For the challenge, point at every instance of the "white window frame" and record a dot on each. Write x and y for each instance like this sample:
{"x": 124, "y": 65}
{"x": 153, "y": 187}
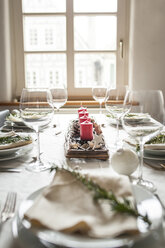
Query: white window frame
{"x": 74, "y": 93}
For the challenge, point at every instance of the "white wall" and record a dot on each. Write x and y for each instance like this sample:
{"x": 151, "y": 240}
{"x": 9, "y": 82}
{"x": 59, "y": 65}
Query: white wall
{"x": 5, "y": 55}
{"x": 147, "y": 45}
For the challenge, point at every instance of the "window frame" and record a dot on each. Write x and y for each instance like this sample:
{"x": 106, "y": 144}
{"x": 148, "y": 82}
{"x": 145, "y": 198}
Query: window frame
{"x": 17, "y": 45}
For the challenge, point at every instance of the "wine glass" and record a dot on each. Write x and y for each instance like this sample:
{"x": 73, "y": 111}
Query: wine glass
{"x": 114, "y": 105}
{"x": 151, "y": 105}
{"x": 36, "y": 111}
{"x": 99, "y": 94}
{"x": 59, "y": 96}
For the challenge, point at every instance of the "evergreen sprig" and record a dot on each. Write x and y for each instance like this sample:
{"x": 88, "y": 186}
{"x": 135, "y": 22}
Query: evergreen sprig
{"x": 159, "y": 139}
{"x": 13, "y": 139}
{"x": 124, "y": 206}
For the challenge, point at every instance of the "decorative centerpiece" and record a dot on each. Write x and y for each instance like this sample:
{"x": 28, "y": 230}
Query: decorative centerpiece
{"x": 85, "y": 139}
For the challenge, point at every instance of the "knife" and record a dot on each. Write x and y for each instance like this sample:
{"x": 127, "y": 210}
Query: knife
{"x": 10, "y": 170}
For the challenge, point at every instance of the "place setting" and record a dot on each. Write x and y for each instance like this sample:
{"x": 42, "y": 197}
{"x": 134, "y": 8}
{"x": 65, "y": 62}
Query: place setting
{"x": 97, "y": 205}
{"x": 117, "y": 213}
{"x": 92, "y": 224}
{"x": 14, "y": 145}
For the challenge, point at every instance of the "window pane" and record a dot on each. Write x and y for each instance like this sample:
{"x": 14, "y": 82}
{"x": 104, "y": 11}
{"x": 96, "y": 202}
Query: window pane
{"x": 95, "y": 5}
{"x": 95, "y": 32}
{"x": 44, "y": 33}
{"x": 43, "y": 6}
{"x": 97, "y": 68}
{"x": 45, "y": 70}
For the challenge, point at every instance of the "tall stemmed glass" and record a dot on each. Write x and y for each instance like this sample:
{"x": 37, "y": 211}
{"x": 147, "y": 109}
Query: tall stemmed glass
{"x": 99, "y": 94}
{"x": 36, "y": 111}
{"x": 145, "y": 128}
{"x": 59, "y": 96}
{"x": 114, "y": 105}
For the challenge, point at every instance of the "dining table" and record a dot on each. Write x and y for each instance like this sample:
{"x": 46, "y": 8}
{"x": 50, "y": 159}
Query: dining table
{"x": 52, "y": 139}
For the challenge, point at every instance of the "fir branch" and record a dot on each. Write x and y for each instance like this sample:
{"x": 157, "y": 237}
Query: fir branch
{"x": 159, "y": 139}
{"x": 13, "y": 139}
{"x": 124, "y": 207}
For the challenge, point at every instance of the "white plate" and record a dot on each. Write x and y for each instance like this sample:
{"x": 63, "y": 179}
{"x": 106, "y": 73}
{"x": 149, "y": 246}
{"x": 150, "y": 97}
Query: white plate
{"x": 144, "y": 200}
{"x": 12, "y": 156}
{"x": 153, "y": 156}
{"x": 19, "y": 124}
{"x": 139, "y": 117}
{"x": 147, "y": 152}
{"x": 155, "y": 152}
{"x": 12, "y": 153}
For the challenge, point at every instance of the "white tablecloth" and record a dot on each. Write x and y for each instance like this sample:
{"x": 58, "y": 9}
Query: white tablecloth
{"x": 52, "y": 148}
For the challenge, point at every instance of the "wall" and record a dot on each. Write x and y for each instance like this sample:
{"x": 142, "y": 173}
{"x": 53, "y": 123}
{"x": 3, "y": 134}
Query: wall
{"x": 147, "y": 45}
{"x": 5, "y": 55}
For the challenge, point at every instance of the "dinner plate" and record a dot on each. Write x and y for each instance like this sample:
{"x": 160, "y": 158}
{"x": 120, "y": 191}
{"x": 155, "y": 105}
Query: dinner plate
{"x": 16, "y": 124}
{"x": 50, "y": 238}
{"x": 137, "y": 117}
{"x": 153, "y": 156}
{"x": 13, "y": 153}
{"x": 9, "y": 151}
{"x": 19, "y": 123}
{"x": 155, "y": 152}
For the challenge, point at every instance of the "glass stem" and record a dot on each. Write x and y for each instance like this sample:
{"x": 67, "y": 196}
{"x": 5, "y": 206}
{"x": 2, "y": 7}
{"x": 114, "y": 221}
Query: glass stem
{"x": 140, "y": 176}
{"x": 117, "y": 132}
{"x": 58, "y": 123}
{"x": 100, "y": 108}
{"x": 38, "y": 146}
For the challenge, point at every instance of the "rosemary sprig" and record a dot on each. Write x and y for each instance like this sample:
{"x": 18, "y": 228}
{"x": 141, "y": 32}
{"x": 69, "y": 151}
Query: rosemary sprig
{"x": 13, "y": 139}
{"x": 159, "y": 139}
{"x": 124, "y": 207}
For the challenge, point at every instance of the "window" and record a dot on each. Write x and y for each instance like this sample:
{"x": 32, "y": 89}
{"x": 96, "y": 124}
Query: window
{"x": 78, "y": 43}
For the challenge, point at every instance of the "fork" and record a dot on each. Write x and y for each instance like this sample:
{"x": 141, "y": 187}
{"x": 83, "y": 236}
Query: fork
{"x": 162, "y": 165}
{"x": 9, "y": 207}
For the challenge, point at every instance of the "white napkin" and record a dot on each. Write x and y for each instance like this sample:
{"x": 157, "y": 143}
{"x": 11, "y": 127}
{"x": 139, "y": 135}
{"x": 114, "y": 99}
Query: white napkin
{"x": 67, "y": 205}
{"x": 154, "y": 146}
{"x": 8, "y": 134}
{"x": 3, "y": 115}
{"x": 133, "y": 142}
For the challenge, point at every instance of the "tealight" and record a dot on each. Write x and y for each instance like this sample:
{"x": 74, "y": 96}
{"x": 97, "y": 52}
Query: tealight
{"x": 124, "y": 161}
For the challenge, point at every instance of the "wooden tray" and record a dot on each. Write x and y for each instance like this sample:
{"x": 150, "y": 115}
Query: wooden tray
{"x": 73, "y": 136}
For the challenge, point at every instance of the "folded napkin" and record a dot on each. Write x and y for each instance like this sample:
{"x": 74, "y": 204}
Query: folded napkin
{"x": 3, "y": 115}
{"x": 133, "y": 142}
{"x": 68, "y": 206}
{"x": 154, "y": 146}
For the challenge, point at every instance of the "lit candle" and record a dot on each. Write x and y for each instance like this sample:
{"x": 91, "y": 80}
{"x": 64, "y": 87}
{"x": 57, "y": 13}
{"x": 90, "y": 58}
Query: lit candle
{"x": 81, "y": 108}
{"x": 82, "y": 113}
{"x": 84, "y": 118}
{"x": 86, "y": 130}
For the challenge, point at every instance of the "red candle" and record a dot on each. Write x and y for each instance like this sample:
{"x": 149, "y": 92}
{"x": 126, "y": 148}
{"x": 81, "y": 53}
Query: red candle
{"x": 81, "y": 108}
{"x": 82, "y": 113}
{"x": 84, "y": 118}
{"x": 86, "y": 130}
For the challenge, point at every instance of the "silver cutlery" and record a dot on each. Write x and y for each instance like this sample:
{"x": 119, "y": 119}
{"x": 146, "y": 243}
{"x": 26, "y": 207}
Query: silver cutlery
{"x": 13, "y": 170}
{"x": 154, "y": 164}
{"x": 161, "y": 203}
{"x": 162, "y": 165}
{"x": 9, "y": 207}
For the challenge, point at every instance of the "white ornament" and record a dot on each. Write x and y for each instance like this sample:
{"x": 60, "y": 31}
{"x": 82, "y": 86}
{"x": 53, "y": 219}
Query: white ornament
{"x": 124, "y": 161}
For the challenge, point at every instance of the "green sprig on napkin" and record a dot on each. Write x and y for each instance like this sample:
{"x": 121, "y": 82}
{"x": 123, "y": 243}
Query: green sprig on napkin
{"x": 159, "y": 139}
{"x": 124, "y": 207}
{"x": 13, "y": 139}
